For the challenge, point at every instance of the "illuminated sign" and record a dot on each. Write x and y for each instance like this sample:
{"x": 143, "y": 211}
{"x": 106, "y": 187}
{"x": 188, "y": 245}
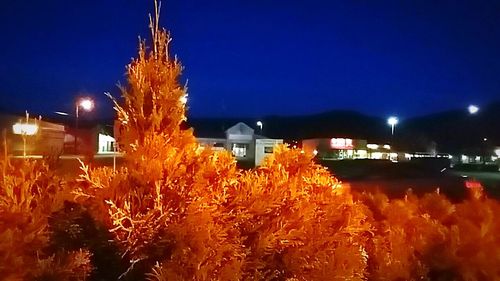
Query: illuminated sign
{"x": 339, "y": 143}
{"x": 25, "y": 129}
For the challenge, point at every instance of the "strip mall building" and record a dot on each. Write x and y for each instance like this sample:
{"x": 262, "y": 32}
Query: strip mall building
{"x": 346, "y": 148}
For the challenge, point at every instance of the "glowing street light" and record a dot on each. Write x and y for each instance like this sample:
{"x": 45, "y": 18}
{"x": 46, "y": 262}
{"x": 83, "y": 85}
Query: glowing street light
{"x": 473, "y": 109}
{"x": 260, "y": 125}
{"x": 87, "y": 104}
{"x": 392, "y": 121}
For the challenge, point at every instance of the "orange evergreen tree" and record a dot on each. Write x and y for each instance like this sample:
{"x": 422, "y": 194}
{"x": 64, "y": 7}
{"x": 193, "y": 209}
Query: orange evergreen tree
{"x": 154, "y": 203}
{"x": 190, "y": 210}
{"x": 154, "y": 100}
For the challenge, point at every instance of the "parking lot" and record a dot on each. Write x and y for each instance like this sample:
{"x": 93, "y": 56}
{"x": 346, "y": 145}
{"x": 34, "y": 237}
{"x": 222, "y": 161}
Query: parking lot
{"x": 395, "y": 179}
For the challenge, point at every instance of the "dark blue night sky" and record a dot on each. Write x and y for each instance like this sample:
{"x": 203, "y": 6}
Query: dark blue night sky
{"x": 259, "y": 57}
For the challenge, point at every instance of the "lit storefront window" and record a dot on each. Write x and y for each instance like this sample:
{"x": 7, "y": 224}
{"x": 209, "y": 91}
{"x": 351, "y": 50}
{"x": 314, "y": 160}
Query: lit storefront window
{"x": 361, "y": 154}
{"x": 239, "y": 149}
{"x": 106, "y": 143}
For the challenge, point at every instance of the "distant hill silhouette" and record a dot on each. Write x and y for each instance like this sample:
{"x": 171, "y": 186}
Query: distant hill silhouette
{"x": 324, "y": 125}
{"x": 453, "y": 131}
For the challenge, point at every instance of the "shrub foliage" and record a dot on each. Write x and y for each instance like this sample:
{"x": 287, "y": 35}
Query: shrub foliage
{"x": 180, "y": 211}
{"x": 30, "y": 193}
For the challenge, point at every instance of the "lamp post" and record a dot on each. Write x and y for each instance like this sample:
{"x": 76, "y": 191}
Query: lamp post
{"x": 87, "y": 104}
{"x": 260, "y": 125}
{"x": 392, "y": 121}
{"x": 485, "y": 149}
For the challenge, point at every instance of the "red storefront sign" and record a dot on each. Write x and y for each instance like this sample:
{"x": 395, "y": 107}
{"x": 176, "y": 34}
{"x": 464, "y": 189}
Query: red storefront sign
{"x": 341, "y": 143}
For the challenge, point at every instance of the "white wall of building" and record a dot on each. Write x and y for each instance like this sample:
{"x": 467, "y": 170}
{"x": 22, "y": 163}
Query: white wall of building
{"x": 105, "y": 143}
{"x": 264, "y": 148}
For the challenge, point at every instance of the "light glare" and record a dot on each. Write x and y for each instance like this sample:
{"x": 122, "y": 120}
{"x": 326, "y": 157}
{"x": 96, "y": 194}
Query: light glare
{"x": 473, "y": 109}
{"x": 184, "y": 99}
{"x": 392, "y": 121}
{"x": 87, "y": 104}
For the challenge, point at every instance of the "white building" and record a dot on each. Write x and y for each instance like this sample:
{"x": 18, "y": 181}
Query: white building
{"x": 249, "y": 148}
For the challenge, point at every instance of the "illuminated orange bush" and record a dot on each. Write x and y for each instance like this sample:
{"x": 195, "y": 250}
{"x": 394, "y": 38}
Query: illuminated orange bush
{"x": 429, "y": 238}
{"x": 29, "y": 194}
{"x": 199, "y": 216}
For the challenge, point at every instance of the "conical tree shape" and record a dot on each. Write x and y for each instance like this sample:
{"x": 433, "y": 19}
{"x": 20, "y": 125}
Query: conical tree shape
{"x": 154, "y": 100}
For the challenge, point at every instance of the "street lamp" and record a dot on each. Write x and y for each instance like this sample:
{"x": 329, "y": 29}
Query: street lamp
{"x": 473, "y": 109}
{"x": 260, "y": 125}
{"x": 392, "y": 121}
{"x": 87, "y": 104}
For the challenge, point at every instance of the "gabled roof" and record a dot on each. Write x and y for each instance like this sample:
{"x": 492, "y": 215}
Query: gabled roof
{"x": 240, "y": 129}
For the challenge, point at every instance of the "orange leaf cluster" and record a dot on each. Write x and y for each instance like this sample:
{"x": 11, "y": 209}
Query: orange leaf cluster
{"x": 29, "y": 194}
{"x": 153, "y": 99}
{"x": 430, "y": 238}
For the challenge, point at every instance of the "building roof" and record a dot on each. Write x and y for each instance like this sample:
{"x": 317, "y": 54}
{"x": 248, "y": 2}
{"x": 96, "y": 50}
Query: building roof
{"x": 240, "y": 129}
